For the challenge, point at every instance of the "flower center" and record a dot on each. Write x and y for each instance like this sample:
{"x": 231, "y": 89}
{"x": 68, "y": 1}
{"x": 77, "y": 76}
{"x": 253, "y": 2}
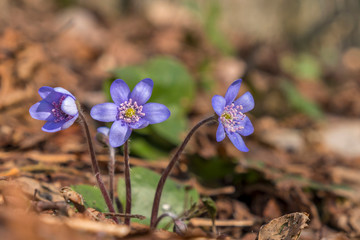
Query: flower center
{"x": 227, "y": 116}
{"x": 130, "y": 112}
{"x": 58, "y": 113}
{"x": 231, "y": 117}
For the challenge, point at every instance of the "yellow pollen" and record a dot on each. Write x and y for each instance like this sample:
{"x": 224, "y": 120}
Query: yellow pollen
{"x": 226, "y": 116}
{"x": 130, "y": 112}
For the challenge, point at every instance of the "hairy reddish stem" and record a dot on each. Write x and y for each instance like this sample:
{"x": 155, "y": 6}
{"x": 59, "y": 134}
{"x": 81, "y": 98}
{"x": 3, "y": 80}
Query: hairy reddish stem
{"x": 111, "y": 167}
{"x": 160, "y": 186}
{"x": 95, "y": 165}
{"x": 127, "y": 182}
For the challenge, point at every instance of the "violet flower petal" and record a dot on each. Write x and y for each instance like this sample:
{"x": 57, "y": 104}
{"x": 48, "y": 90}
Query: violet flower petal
{"x": 104, "y": 112}
{"x": 142, "y": 91}
{"x": 52, "y": 126}
{"x": 246, "y": 101}
{"x": 218, "y": 104}
{"x": 238, "y": 142}
{"x": 220, "y": 133}
{"x": 248, "y": 127}
{"x": 155, "y": 112}
{"x": 45, "y": 91}
{"x": 53, "y": 97}
{"x": 69, "y": 107}
{"x": 119, "y": 91}
{"x": 139, "y": 124}
{"x": 41, "y": 110}
{"x": 70, "y": 122}
{"x": 63, "y": 91}
{"x": 232, "y": 91}
{"x": 119, "y": 133}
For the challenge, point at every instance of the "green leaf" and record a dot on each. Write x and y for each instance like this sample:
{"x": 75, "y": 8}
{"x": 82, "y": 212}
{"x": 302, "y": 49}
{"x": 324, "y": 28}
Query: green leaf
{"x": 172, "y": 82}
{"x": 143, "y": 185}
{"x": 145, "y": 150}
{"x": 173, "y": 127}
{"x": 299, "y": 102}
{"x": 92, "y": 197}
{"x": 210, "y": 207}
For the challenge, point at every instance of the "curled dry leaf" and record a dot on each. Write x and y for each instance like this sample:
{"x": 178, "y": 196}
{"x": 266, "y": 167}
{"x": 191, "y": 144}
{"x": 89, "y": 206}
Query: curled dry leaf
{"x": 78, "y": 201}
{"x": 287, "y": 227}
{"x": 73, "y": 197}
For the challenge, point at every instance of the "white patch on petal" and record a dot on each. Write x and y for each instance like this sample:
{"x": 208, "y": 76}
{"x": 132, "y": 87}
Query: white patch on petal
{"x": 68, "y": 106}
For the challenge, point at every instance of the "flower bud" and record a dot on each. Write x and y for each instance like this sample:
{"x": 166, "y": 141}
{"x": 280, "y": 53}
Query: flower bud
{"x": 180, "y": 227}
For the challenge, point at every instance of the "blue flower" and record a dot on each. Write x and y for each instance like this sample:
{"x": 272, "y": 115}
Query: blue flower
{"x": 232, "y": 119}
{"x": 129, "y": 110}
{"x": 58, "y": 109}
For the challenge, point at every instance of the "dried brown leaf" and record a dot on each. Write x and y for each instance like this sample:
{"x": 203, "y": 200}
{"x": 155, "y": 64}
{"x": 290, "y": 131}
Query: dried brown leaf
{"x": 76, "y": 198}
{"x": 287, "y": 227}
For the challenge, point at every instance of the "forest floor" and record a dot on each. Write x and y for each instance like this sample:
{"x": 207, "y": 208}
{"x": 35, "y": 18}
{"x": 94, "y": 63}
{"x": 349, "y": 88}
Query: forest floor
{"x": 304, "y": 154}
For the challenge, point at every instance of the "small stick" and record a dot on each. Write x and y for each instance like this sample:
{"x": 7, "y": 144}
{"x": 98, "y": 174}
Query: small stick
{"x": 61, "y": 206}
{"x": 141, "y": 217}
{"x": 203, "y": 222}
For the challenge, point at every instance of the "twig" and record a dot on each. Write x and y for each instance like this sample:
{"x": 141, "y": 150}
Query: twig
{"x": 205, "y": 222}
{"x": 60, "y": 206}
{"x": 141, "y": 217}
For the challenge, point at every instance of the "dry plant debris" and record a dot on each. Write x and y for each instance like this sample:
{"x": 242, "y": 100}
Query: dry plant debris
{"x": 287, "y": 227}
{"x": 296, "y": 164}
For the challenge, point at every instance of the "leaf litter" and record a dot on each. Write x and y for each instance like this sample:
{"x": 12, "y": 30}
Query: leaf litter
{"x": 297, "y": 163}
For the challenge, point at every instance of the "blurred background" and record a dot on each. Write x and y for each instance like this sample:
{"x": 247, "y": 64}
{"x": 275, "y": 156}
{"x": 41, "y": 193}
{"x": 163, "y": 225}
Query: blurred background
{"x": 299, "y": 59}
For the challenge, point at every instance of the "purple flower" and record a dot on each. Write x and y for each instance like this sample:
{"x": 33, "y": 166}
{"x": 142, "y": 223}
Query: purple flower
{"x": 58, "y": 109}
{"x": 129, "y": 110}
{"x": 232, "y": 118}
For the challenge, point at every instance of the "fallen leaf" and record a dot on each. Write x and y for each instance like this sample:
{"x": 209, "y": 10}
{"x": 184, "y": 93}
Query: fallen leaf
{"x": 287, "y": 227}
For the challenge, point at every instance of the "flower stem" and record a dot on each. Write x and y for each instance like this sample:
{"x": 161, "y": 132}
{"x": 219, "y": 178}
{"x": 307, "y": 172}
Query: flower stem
{"x": 95, "y": 165}
{"x": 164, "y": 215}
{"x": 111, "y": 167}
{"x": 127, "y": 182}
{"x": 160, "y": 186}
{"x": 168, "y": 214}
